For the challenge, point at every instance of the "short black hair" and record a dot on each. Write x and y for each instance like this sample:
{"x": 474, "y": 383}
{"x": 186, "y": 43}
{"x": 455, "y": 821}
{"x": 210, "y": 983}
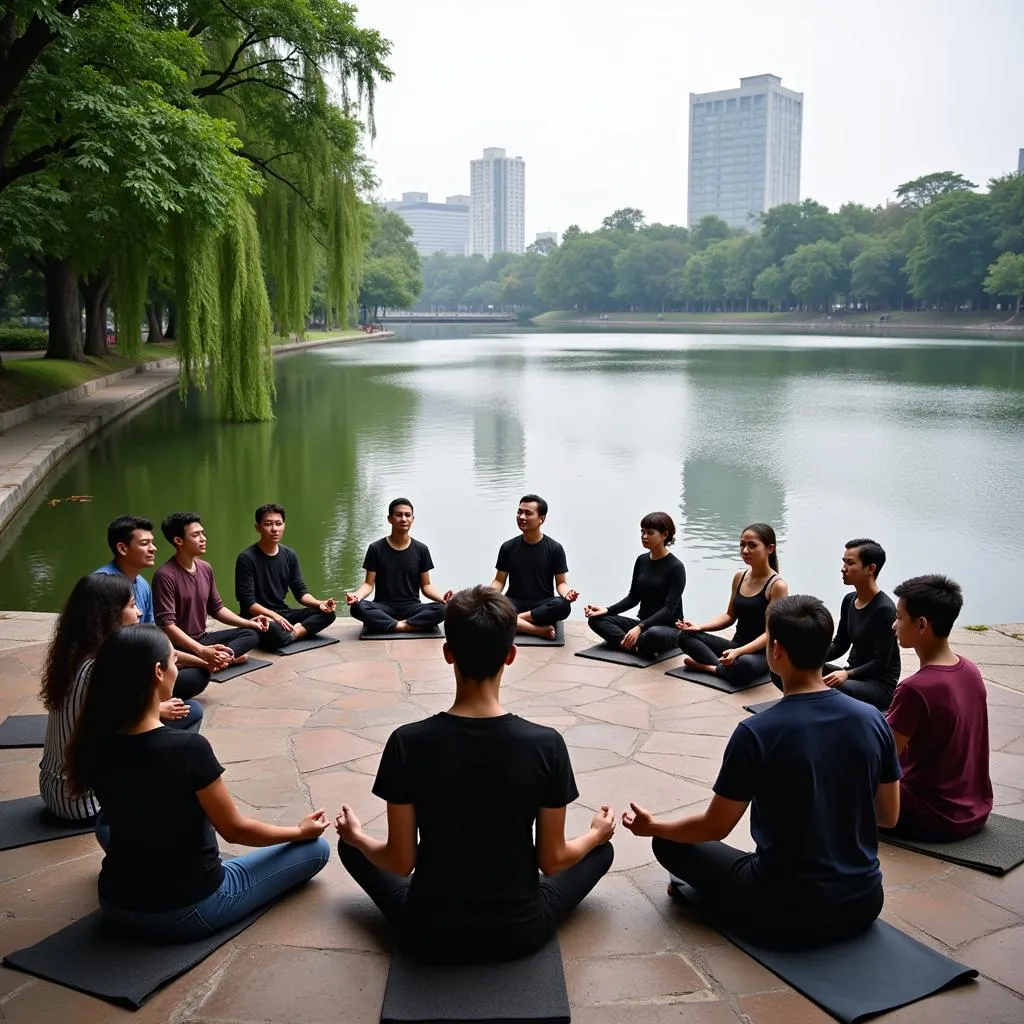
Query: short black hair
{"x": 803, "y": 627}
{"x": 935, "y": 598}
{"x": 174, "y": 525}
{"x": 121, "y": 529}
{"x": 479, "y": 628}
{"x": 396, "y": 502}
{"x": 269, "y": 509}
{"x": 536, "y": 499}
{"x": 869, "y": 551}
{"x": 662, "y": 522}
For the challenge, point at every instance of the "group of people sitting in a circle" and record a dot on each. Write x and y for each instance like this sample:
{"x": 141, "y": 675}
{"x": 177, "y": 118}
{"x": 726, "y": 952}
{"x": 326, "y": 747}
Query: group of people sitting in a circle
{"x": 476, "y": 864}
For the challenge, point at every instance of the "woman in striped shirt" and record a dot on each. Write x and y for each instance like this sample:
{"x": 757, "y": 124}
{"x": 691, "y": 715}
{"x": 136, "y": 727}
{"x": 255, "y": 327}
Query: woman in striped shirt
{"x": 97, "y": 606}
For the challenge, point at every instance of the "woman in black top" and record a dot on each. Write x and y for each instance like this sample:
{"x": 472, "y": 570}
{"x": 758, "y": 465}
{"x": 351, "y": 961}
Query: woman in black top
{"x": 164, "y": 802}
{"x": 742, "y": 659}
{"x": 657, "y": 586}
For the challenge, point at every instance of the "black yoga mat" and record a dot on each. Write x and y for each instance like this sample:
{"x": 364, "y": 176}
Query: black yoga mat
{"x": 92, "y": 956}
{"x": 525, "y": 640}
{"x": 756, "y": 709}
{"x": 996, "y": 849}
{"x": 233, "y": 671}
{"x": 434, "y": 633}
{"x": 617, "y": 656}
{"x": 308, "y": 643}
{"x": 706, "y": 679}
{"x": 23, "y": 731}
{"x": 529, "y": 989}
{"x": 26, "y": 821}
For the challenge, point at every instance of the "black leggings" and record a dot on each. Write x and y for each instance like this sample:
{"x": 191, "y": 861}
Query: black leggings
{"x": 612, "y": 628}
{"x": 193, "y": 680}
{"x": 561, "y": 894}
{"x": 382, "y": 616}
{"x": 871, "y": 691}
{"x": 312, "y": 621}
{"x": 729, "y": 888}
{"x": 706, "y": 648}
{"x": 545, "y": 612}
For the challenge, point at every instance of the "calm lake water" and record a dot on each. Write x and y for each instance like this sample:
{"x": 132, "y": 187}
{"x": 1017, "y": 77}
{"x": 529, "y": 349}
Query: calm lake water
{"x": 917, "y": 444}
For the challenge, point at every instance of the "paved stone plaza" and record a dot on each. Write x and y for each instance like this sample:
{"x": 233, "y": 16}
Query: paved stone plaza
{"x": 308, "y": 731}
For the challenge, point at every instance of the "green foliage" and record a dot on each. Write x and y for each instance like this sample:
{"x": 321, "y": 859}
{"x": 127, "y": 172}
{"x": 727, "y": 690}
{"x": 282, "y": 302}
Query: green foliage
{"x": 926, "y": 189}
{"x": 22, "y": 339}
{"x": 629, "y": 218}
{"x": 813, "y": 271}
{"x": 785, "y": 228}
{"x": 391, "y": 274}
{"x": 1006, "y": 277}
{"x": 710, "y": 229}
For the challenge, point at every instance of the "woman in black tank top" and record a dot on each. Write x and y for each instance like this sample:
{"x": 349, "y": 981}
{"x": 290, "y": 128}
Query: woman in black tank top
{"x": 742, "y": 660}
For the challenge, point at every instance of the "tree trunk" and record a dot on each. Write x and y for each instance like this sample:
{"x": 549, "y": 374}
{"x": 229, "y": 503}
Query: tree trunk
{"x": 65, "y": 340}
{"x": 154, "y": 314}
{"x": 171, "y": 334}
{"x": 95, "y": 289}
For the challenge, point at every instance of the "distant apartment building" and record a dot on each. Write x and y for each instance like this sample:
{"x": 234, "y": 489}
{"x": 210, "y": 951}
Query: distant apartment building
{"x": 744, "y": 151}
{"x": 497, "y": 205}
{"x": 547, "y": 236}
{"x": 436, "y": 227}
{"x": 1020, "y": 159}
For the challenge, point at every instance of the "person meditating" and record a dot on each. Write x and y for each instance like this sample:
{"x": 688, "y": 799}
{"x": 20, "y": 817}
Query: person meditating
{"x": 820, "y": 772}
{"x": 97, "y": 605}
{"x": 264, "y": 573}
{"x": 865, "y": 630}
{"x": 657, "y": 586}
{"x": 164, "y": 802}
{"x": 397, "y": 569}
{"x": 464, "y": 790}
{"x": 534, "y": 566}
{"x": 130, "y": 539}
{"x": 184, "y": 595}
{"x": 742, "y": 659}
{"x": 939, "y": 718}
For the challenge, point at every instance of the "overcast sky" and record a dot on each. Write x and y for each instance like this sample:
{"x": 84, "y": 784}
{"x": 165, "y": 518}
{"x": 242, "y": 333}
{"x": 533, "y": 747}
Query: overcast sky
{"x": 593, "y": 94}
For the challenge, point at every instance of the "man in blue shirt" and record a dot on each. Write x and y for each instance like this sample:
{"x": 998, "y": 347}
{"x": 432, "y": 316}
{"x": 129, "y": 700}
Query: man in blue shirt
{"x": 820, "y": 773}
{"x": 131, "y": 542}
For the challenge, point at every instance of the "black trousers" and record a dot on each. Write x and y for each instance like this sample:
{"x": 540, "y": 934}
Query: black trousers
{"x": 312, "y": 621}
{"x": 545, "y": 611}
{"x": 193, "y": 680}
{"x": 730, "y": 889}
{"x": 871, "y": 691}
{"x": 382, "y": 616}
{"x": 561, "y": 894}
{"x": 707, "y": 648}
{"x": 612, "y": 628}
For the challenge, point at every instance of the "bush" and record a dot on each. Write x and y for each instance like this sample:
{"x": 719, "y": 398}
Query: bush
{"x": 22, "y": 339}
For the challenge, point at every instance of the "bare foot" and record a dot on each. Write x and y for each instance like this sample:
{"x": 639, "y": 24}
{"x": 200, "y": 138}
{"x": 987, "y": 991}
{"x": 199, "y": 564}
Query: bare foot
{"x": 299, "y": 633}
{"x": 241, "y": 659}
{"x": 532, "y": 629}
{"x": 698, "y": 667}
{"x": 403, "y": 627}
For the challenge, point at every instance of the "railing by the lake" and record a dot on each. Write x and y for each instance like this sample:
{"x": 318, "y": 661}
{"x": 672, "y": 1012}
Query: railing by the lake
{"x": 399, "y": 317}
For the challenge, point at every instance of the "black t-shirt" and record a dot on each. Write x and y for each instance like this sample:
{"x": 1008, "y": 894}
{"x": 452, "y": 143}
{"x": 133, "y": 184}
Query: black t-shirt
{"x": 657, "y": 586}
{"x": 398, "y": 572}
{"x": 531, "y": 568}
{"x": 477, "y": 785}
{"x": 810, "y": 766}
{"x": 163, "y": 849}
{"x": 867, "y": 633}
{"x": 266, "y": 579}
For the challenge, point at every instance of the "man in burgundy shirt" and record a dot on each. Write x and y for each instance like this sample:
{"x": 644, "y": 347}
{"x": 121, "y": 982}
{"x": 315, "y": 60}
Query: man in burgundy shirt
{"x": 939, "y": 719}
{"x": 184, "y": 595}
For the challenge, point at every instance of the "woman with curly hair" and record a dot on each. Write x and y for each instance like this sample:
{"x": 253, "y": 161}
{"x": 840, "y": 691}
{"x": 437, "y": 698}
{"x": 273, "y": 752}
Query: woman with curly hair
{"x": 97, "y": 606}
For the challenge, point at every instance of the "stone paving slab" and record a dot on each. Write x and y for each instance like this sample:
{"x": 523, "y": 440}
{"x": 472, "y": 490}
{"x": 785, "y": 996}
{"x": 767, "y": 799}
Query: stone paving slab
{"x": 308, "y": 732}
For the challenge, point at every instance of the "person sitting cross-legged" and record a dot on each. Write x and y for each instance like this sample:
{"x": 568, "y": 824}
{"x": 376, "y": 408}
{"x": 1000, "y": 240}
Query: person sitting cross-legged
{"x": 464, "y": 790}
{"x": 264, "y": 572}
{"x": 820, "y": 773}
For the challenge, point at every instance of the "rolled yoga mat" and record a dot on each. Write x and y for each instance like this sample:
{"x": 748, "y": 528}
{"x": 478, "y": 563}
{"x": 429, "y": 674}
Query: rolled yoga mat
{"x": 308, "y": 643}
{"x": 529, "y": 989}
{"x": 996, "y": 849}
{"x": 26, "y": 821}
{"x": 525, "y": 640}
{"x": 434, "y": 633}
{"x": 94, "y": 957}
{"x": 233, "y": 671}
{"x": 617, "y": 656}
{"x": 756, "y": 709}
{"x": 707, "y": 679}
{"x": 23, "y": 731}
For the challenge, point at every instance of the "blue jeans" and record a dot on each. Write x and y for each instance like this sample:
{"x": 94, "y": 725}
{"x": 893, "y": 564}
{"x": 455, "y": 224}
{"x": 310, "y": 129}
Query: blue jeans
{"x": 249, "y": 882}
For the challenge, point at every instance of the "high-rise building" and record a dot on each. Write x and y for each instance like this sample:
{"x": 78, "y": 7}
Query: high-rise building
{"x": 744, "y": 151}
{"x": 497, "y": 206}
{"x": 546, "y": 236}
{"x": 436, "y": 227}
{"x": 1020, "y": 160}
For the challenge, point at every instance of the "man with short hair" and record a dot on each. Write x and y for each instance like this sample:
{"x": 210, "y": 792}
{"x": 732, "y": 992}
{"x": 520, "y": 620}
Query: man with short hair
{"x": 397, "y": 569}
{"x": 471, "y": 783}
{"x": 185, "y": 594}
{"x": 534, "y": 566}
{"x": 939, "y": 719}
{"x": 820, "y": 773}
{"x": 130, "y": 539}
{"x": 264, "y": 573}
{"x": 865, "y": 630}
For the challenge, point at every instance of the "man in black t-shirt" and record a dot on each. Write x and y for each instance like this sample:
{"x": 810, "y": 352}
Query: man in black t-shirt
{"x": 264, "y": 573}
{"x": 535, "y": 568}
{"x": 473, "y": 782}
{"x": 820, "y": 773}
{"x": 397, "y": 569}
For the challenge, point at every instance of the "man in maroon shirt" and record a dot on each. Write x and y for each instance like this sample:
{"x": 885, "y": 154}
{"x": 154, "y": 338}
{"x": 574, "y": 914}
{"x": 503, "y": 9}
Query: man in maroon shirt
{"x": 939, "y": 719}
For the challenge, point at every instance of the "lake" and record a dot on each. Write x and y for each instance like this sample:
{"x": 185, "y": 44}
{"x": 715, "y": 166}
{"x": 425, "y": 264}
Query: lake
{"x": 918, "y": 444}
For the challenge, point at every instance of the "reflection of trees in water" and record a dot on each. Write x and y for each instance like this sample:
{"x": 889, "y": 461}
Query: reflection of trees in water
{"x": 499, "y": 449}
